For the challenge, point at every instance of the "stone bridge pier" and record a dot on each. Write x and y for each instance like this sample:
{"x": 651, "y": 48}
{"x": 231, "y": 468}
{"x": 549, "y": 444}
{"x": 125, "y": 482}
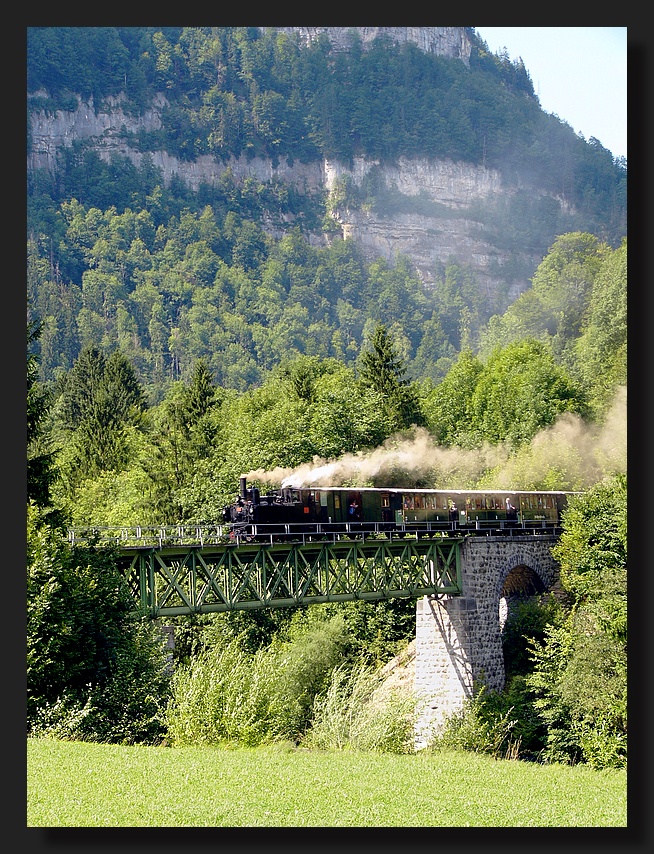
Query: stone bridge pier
{"x": 459, "y": 638}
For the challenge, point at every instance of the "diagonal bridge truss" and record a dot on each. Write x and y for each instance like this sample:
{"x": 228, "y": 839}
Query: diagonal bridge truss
{"x": 172, "y": 580}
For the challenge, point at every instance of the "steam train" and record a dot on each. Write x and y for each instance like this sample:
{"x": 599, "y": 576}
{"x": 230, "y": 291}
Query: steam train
{"x": 318, "y": 512}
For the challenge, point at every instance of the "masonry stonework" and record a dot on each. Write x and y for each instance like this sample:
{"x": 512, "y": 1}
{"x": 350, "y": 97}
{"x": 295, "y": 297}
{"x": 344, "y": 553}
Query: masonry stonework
{"x": 459, "y": 638}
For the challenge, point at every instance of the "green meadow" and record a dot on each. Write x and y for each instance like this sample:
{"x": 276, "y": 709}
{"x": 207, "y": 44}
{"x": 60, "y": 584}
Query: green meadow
{"x": 76, "y": 784}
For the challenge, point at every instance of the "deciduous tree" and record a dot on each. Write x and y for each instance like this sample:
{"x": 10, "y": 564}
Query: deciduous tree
{"x": 580, "y": 674}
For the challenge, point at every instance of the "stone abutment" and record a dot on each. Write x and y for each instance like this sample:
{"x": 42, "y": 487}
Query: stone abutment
{"x": 459, "y": 638}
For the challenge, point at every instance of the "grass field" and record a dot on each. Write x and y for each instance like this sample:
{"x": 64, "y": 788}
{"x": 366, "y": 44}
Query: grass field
{"x": 72, "y": 784}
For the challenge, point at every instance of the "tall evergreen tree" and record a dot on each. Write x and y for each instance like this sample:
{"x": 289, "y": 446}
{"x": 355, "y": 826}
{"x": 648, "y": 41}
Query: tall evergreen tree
{"x": 101, "y": 397}
{"x": 123, "y": 389}
{"x": 383, "y": 370}
{"x": 200, "y": 393}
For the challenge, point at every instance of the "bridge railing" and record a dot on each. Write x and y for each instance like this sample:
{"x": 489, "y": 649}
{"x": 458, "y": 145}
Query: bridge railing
{"x": 155, "y": 536}
{"x": 159, "y": 536}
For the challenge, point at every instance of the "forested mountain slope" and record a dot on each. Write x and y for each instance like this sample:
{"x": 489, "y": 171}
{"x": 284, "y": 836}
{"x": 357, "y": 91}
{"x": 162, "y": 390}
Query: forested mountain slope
{"x": 246, "y": 194}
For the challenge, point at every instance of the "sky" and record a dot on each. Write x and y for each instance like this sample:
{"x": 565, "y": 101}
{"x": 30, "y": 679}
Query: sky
{"x": 579, "y": 74}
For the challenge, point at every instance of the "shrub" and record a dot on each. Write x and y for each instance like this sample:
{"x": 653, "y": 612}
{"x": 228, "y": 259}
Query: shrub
{"x": 516, "y": 701}
{"x": 579, "y": 678}
{"x": 526, "y": 621}
{"x": 580, "y": 688}
{"x": 479, "y": 729}
{"x": 96, "y": 668}
{"x": 302, "y": 666}
{"x": 229, "y": 694}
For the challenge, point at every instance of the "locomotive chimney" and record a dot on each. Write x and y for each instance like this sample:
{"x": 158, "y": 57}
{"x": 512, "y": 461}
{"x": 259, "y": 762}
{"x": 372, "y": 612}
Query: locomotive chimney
{"x": 244, "y": 488}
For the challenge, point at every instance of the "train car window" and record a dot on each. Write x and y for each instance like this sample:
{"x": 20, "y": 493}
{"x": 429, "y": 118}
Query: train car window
{"x": 337, "y": 501}
{"x": 323, "y": 498}
{"x": 385, "y": 500}
{"x": 418, "y": 502}
{"x": 430, "y": 502}
{"x": 408, "y": 502}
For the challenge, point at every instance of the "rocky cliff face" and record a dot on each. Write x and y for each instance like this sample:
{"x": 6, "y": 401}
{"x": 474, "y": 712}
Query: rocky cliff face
{"x": 435, "y": 215}
{"x": 452, "y": 42}
{"x": 443, "y": 224}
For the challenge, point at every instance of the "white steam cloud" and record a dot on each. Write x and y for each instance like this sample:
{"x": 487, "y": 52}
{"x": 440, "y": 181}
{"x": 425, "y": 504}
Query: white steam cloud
{"x": 570, "y": 454}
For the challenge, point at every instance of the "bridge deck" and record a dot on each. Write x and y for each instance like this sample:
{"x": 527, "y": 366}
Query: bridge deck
{"x": 159, "y": 536}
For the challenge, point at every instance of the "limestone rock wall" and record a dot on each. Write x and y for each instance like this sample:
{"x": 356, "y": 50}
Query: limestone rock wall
{"x": 452, "y": 42}
{"x": 450, "y": 229}
{"x": 437, "y": 220}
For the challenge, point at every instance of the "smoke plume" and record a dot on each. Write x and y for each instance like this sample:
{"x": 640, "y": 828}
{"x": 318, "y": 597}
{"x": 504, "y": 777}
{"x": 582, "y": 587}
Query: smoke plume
{"x": 571, "y": 454}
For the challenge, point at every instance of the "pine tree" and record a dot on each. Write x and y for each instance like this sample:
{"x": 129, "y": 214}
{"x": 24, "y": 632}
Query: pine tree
{"x": 383, "y": 371}
{"x": 101, "y": 397}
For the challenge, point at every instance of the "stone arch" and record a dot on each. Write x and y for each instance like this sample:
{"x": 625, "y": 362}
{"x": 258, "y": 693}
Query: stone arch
{"x": 526, "y": 574}
{"x": 521, "y": 582}
{"x": 523, "y": 576}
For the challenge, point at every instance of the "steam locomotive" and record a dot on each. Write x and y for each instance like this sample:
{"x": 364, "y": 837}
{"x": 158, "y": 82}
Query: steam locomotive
{"x": 318, "y": 512}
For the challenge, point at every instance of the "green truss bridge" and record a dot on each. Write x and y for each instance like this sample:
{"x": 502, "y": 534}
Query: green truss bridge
{"x": 190, "y": 570}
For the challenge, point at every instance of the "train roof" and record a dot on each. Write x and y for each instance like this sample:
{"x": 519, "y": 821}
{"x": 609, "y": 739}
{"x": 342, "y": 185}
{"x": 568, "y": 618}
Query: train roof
{"x": 437, "y": 491}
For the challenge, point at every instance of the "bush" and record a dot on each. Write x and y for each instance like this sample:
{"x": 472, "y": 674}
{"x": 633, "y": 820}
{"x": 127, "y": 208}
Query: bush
{"x": 516, "y": 701}
{"x": 96, "y": 668}
{"x": 602, "y": 744}
{"x": 302, "y": 665}
{"x": 579, "y": 678}
{"x": 580, "y": 688}
{"x": 229, "y": 694}
{"x": 526, "y": 622}
{"x": 479, "y": 728}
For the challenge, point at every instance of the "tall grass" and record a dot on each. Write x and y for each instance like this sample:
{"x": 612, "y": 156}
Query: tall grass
{"x": 228, "y": 694}
{"x": 353, "y": 714}
{"x": 222, "y": 697}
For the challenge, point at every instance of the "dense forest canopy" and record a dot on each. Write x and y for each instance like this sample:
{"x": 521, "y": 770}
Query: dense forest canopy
{"x": 136, "y": 285}
{"x": 237, "y": 90}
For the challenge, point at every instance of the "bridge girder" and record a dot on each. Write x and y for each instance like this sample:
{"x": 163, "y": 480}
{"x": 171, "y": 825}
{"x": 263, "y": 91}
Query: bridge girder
{"x": 175, "y": 580}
